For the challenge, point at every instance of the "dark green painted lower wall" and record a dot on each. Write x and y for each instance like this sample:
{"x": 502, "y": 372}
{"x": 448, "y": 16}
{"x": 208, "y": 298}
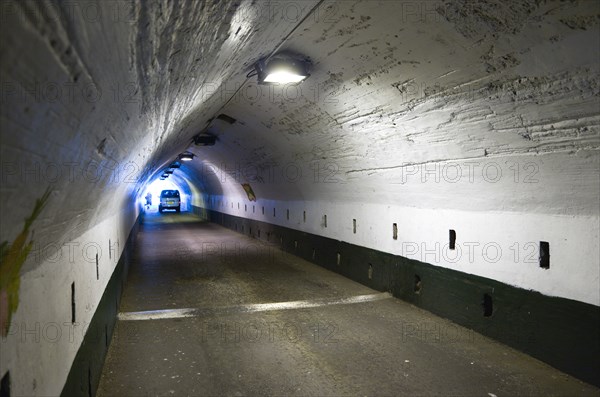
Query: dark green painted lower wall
{"x": 561, "y": 332}
{"x": 86, "y": 369}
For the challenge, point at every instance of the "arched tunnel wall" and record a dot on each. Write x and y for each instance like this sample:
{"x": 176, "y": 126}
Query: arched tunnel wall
{"x": 417, "y": 119}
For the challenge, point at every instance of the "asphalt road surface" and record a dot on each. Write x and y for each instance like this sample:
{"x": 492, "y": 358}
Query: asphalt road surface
{"x": 207, "y": 311}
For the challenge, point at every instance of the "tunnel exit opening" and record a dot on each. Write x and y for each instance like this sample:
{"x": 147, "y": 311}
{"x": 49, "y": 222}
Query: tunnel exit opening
{"x": 151, "y": 201}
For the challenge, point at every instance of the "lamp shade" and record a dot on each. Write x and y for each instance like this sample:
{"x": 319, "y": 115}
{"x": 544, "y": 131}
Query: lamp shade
{"x": 186, "y": 156}
{"x": 282, "y": 71}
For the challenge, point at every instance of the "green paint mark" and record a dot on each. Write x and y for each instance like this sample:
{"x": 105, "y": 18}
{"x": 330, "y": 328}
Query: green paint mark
{"x": 12, "y": 257}
{"x": 249, "y": 191}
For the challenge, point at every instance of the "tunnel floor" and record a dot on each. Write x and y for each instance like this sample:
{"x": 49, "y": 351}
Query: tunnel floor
{"x": 207, "y": 311}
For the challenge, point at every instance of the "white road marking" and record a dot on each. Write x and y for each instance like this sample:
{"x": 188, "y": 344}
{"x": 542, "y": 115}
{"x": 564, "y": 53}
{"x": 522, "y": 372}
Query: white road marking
{"x": 251, "y": 308}
{"x": 157, "y": 314}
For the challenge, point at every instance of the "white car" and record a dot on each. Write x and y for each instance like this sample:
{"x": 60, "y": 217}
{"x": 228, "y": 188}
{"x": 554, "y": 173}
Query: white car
{"x": 169, "y": 200}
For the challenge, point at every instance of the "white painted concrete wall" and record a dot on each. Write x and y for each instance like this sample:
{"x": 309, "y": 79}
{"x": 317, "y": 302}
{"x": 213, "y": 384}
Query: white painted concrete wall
{"x": 503, "y": 246}
{"x": 42, "y": 342}
{"x": 402, "y": 97}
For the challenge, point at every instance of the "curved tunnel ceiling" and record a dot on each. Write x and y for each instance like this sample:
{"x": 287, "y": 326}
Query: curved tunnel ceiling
{"x": 392, "y": 89}
{"x": 396, "y": 91}
{"x": 118, "y": 95}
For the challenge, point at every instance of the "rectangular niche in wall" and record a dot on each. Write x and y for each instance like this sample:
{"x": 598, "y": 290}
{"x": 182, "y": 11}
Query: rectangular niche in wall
{"x": 488, "y": 305}
{"x": 395, "y": 231}
{"x": 73, "y": 319}
{"x": 452, "y": 242}
{"x": 354, "y": 226}
{"x": 544, "y": 255}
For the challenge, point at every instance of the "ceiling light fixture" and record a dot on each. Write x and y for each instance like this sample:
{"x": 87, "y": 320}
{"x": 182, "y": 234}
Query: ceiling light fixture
{"x": 282, "y": 68}
{"x": 205, "y": 140}
{"x": 169, "y": 172}
{"x": 176, "y": 164}
{"x": 187, "y": 156}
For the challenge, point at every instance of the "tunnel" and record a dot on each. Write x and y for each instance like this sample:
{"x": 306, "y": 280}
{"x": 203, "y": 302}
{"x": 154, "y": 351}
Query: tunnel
{"x": 415, "y": 211}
